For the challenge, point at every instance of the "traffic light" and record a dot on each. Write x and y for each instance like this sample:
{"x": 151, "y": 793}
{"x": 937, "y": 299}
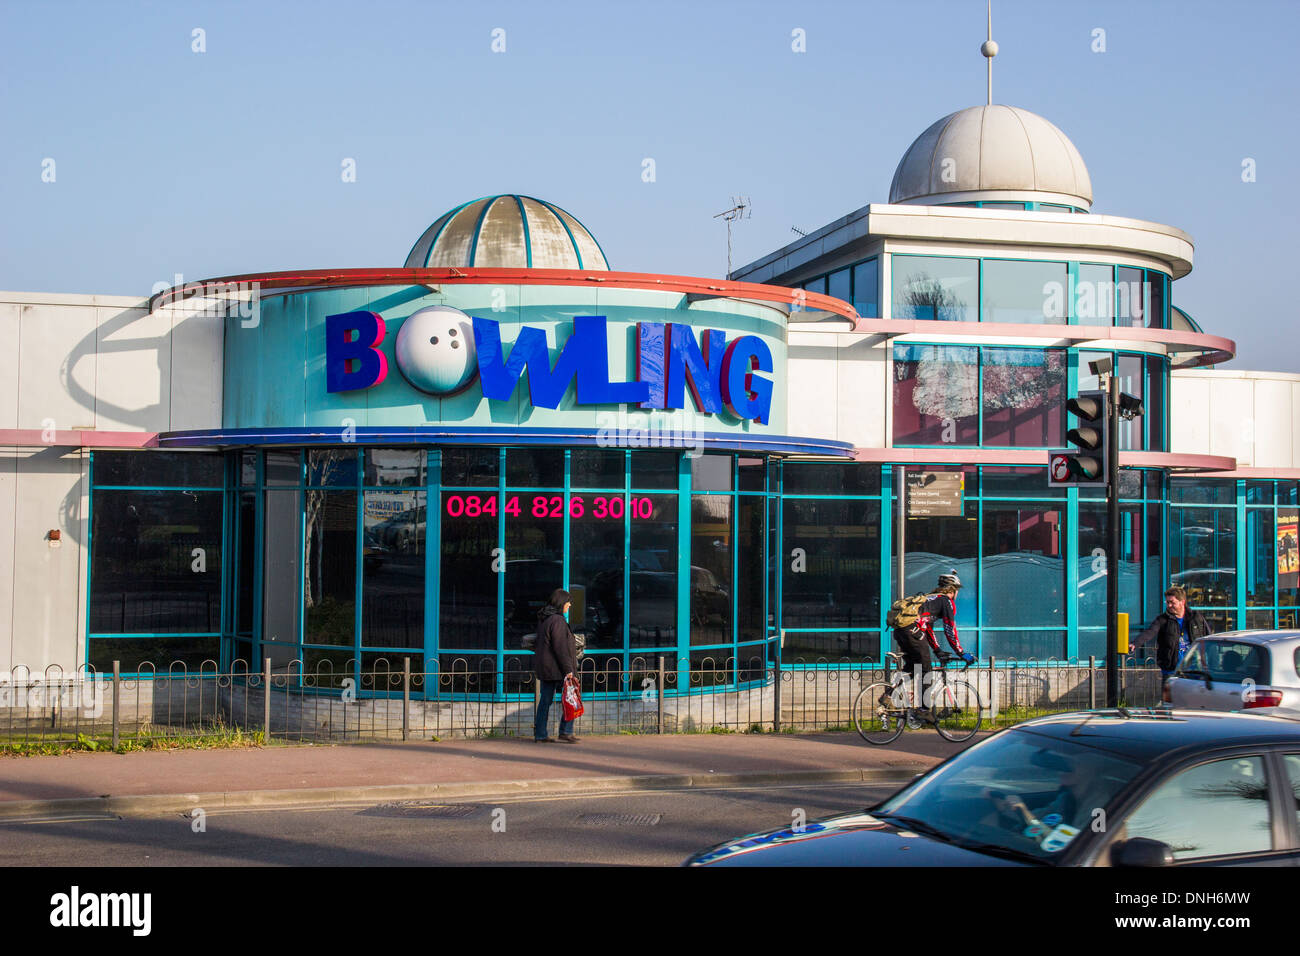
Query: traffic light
{"x": 1086, "y": 467}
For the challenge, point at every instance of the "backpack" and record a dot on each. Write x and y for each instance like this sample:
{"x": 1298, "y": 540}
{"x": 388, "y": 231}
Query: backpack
{"x": 905, "y": 612}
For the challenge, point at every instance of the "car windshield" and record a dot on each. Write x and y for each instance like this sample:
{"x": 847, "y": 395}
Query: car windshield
{"x": 1229, "y": 661}
{"x": 1020, "y": 792}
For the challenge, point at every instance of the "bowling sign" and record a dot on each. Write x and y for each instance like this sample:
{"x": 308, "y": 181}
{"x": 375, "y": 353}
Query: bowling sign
{"x": 440, "y": 351}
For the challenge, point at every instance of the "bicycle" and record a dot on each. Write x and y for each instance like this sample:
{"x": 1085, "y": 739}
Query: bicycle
{"x": 883, "y": 710}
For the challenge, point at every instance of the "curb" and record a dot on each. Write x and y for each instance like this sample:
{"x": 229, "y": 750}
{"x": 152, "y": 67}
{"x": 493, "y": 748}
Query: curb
{"x": 145, "y": 805}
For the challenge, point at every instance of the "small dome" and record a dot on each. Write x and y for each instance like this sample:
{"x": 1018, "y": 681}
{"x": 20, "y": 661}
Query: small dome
{"x": 1009, "y": 153}
{"x": 508, "y": 232}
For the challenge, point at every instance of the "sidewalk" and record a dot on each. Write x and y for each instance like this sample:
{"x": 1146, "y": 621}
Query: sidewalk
{"x": 151, "y": 782}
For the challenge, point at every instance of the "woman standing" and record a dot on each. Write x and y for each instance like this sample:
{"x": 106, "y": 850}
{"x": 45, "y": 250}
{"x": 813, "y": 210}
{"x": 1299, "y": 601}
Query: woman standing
{"x": 555, "y": 657}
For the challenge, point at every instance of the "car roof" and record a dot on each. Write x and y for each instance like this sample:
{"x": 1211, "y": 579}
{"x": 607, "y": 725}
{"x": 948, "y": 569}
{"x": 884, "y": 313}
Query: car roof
{"x": 1148, "y": 734}
{"x": 1256, "y": 637}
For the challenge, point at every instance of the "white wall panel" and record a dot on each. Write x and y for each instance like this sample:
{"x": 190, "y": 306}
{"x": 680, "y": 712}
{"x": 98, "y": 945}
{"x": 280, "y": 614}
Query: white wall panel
{"x": 811, "y": 384}
{"x": 1189, "y": 416}
{"x": 8, "y": 512}
{"x": 133, "y": 370}
{"x": 1274, "y": 425}
{"x": 197, "y": 344}
{"x": 862, "y": 382}
{"x": 47, "y": 586}
{"x": 1232, "y": 420}
{"x": 9, "y": 365}
{"x": 56, "y": 354}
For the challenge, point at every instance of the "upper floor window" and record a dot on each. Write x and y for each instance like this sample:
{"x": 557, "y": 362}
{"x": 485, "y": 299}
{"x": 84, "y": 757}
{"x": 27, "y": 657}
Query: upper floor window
{"x": 1024, "y": 292}
{"x": 938, "y": 288}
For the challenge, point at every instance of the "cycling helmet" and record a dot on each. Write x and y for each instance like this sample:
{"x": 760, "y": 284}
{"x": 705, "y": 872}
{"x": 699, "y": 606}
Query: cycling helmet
{"x": 950, "y": 579}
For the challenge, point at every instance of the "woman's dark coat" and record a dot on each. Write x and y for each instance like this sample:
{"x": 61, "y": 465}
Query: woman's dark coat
{"x": 556, "y": 652}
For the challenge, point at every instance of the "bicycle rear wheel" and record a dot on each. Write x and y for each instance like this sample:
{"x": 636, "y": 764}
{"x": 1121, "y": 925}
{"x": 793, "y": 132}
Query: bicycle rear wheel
{"x": 957, "y": 710}
{"x": 877, "y": 713}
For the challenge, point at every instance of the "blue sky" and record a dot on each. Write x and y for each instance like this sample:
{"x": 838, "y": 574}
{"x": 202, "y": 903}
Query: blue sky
{"x": 169, "y": 161}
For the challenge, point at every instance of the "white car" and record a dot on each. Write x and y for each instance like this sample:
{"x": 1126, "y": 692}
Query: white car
{"x": 1252, "y": 671}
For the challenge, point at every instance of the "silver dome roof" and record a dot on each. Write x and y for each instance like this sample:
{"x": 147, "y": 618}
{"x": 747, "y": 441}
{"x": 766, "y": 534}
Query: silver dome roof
{"x": 508, "y": 232}
{"x": 1010, "y": 153}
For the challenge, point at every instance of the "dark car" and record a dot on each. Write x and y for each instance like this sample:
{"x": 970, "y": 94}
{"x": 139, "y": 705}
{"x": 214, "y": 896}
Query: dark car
{"x": 1105, "y": 788}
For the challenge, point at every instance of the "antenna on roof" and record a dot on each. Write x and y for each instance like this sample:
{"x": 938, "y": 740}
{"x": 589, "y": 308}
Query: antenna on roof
{"x": 990, "y": 49}
{"x": 740, "y": 209}
{"x": 799, "y": 232}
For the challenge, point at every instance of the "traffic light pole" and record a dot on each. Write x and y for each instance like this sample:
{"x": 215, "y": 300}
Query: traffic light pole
{"x": 1113, "y": 546}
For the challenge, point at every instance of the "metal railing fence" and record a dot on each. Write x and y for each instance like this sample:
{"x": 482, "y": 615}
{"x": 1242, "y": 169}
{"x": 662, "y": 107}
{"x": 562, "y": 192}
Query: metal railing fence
{"x": 411, "y": 698}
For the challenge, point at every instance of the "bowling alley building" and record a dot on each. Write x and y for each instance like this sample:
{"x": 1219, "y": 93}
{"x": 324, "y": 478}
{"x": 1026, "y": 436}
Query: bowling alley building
{"x": 346, "y": 466}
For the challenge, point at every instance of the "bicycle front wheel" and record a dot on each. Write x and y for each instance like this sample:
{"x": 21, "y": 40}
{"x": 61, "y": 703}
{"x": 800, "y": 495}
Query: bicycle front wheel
{"x": 878, "y": 714}
{"x": 957, "y": 711}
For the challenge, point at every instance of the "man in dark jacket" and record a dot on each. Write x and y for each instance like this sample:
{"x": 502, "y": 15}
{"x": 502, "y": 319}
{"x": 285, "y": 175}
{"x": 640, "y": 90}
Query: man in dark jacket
{"x": 555, "y": 657}
{"x": 1174, "y": 631}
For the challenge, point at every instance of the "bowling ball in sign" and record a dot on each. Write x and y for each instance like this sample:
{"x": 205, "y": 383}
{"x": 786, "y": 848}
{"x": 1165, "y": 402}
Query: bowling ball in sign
{"x": 435, "y": 350}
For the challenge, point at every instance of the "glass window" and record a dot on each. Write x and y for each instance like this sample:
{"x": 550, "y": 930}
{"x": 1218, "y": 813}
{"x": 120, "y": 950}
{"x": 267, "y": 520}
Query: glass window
{"x": 156, "y": 562}
{"x": 248, "y": 469}
{"x": 155, "y": 655}
{"x": 1154, "y": 402}
{"x": 938, "y": 544}
{"x": 470, "y": 466}
{"x": 159, "y": 468}
{"x": 1003, "y": 205}
{"x": 404, "y": 467}
{"x": 282, "y": 577}
{"x": 597, "y": 563}
{"x": 1156, "y": 315}
{"x": 652, "y": 551}
{"x": 392, "y": 597}
{"x": 1024, "y": 397}
{"x": 711, "y": 569}
{"x": 1230, "y": 662}
{"x": 1293, "y": 776}
{"x": 336, "y": 468}
{"x": 711, "y": 473}
{"x": 1093, "y": 544}
{"x": 597, "y": 467}
{"x": 1259, "y": 492}
{"x": 936, "y": 395}
{"x": 330, "y": 583}
{"x": 750, "y": 623}
{"x": 1023, "y": 573}
{"x": 1003, "y": 482}
{"x": 1203, "y": 491}
{"x": 938, "y": 288}
{"x": 467, "y": 611}
{"x": 1261, "y": 557}
{"x": 654, "y": 469}
{"x": 751, "y": 474}
{"x": 1215, "y": 809}
{"x": 816, "y": 285}
{"x": 535, "y": 467}
{"x": 866, "y": 288}
{"x": 831, "y": 478}
{"x": 1131, "y": 297}
{"x": 1032, "y": 293}
{"x": 1094, "y": 296}
{"x": 535, "y": 557}
{"x": 832, "y": 563}
{"x": 246, "y": 545}
{"x": 838, "y": 284}
{"x": 1203, "y": 554}
{"x": 283, "y": 468}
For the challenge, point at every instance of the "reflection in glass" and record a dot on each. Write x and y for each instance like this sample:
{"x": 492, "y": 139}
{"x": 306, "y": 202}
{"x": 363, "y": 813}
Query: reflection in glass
{"x": 392, "y": 594}
{"x": 332, "y": 467}
{"x": 396, "y": 466}
{"x": 1202, "y": 554}
{"x": 654, "y": 469}
{"x": 159, "y": 468}
{"x": 1261, "y": 557}
{"x": 1024, "y": 397}
{"x": 1094, "y": 296}
{"x": 535, "y": 566}
{"x": 467, "y": 612}
{"x": 1093, "y": 544}
{"x": 833, "y": 579}
{"x": 749, "y": 568}
{"x": 535, "y": 467}
{"x": 652, "y": 603}
{"x": 596, "y": 565}
{"x": 711, "y": 473}
{"x": 1027, "y": 293}
{"x": 282, "y": 577}
{"x": 246, "y": 560}
{"x": 935, "y": 288}
{"x": 1023, "y": 573}
{"x": 710, "y": 569}
{"x": 866, "y": 288}
{"x": 330, "y": 582}
{"x": 936, "y": 395}
{"x": 831, "y": 478}
{"x": 597, "y": 467}
{"x": 1130, "y": 296}
{"x": 470, "y": 466}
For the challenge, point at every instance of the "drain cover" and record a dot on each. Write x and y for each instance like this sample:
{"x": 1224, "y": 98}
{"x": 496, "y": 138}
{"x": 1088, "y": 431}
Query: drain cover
{"x": 416, "y": 808}
{"x": 620, "y": 819}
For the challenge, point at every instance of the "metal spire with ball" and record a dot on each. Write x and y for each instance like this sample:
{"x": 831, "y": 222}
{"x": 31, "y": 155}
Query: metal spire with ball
{"x": 990, "y": 49}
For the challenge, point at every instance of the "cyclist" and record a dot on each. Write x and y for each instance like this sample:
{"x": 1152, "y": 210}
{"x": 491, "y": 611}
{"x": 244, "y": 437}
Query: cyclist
{"x": 941, "y": 605}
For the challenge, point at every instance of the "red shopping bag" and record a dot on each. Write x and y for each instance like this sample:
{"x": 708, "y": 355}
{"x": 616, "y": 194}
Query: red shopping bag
{"x": 572, "y": 699}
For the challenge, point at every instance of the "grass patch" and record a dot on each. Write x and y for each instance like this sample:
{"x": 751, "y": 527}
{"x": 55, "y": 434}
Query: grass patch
{"x": 218, "y": 736}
